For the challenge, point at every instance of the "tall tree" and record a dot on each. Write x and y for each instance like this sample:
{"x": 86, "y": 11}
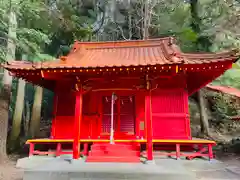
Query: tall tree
{"x": 146, "y": 20}
{"x": 5, "y": 93}
{"x": 202, "y": 43}
{"x": 18, "y": 111}
{"x": 36, "y": 112}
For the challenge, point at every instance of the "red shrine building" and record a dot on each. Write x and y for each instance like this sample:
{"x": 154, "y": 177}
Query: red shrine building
{"x": 119, "y": 100}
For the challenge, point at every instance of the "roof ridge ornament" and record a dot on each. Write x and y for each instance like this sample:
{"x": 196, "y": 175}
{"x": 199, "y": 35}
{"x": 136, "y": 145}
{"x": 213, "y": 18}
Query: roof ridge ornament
{"x": 235, "y": 52}
{"x": 171, "y": 41}
{"x": 63, "y": 58}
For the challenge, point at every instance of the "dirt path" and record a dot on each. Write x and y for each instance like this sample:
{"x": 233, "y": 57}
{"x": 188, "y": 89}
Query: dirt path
{"x": 9, "y": 172}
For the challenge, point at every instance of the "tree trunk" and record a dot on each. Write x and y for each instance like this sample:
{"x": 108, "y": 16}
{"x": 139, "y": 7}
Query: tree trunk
{"x": 146, "y": 19}
{"x": 27, "y": 119}
{"x": 196, "y": 21}
{"x": 200, "y": 44}
{"x": 203, "y": 114}
{"x": 112, "y": 16}
{"x": 18, "y": 111}
{"x": 36, "y": 112}
{"x": 5, "y": 93}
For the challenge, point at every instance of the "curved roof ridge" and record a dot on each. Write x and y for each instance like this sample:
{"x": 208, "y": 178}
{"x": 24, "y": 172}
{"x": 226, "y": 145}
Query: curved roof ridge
{"x": 125, "y": 41}
{"x": 232, "y": 53}
{"x": 122, "y": 43}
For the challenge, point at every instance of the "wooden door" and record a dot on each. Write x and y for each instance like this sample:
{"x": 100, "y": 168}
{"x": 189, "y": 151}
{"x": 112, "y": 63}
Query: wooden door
{"x": 106, "y": 114}
{"x": 127, "y": 114}
{"x": 124, "y": 115}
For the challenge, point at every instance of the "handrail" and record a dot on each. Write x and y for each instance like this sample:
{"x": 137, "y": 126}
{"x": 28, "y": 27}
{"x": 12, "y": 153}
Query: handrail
{"x": 172, "y": 141}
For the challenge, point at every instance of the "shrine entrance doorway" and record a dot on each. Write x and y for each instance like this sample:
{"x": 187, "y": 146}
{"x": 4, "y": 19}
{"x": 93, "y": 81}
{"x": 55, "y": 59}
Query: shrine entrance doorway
{"x": 123, "y": 113}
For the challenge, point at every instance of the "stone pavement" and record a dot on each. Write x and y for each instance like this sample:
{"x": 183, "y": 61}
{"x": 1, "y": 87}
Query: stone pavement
{"x": 59, "y": 169}
{"x": 208, "y": 170}
{"x": 162, "y": 169}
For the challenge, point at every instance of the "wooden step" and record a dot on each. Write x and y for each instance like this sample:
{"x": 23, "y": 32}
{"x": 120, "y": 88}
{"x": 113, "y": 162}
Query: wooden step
{"x": 115, "y": 146}
{"x": 114, "y": 153}
{"x": 113, "y": 159}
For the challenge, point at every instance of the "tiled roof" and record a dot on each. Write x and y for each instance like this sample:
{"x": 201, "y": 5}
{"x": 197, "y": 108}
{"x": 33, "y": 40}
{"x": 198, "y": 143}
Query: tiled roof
{"x": 225, "y": 89}
{"x": 126, "y": 53}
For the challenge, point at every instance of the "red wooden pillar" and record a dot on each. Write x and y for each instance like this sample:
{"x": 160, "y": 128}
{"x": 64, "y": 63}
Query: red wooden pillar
{"x": 118, "y": 124}
{"x": 148, "y": 122}
{"x": 210, "y": 152}
{"x": 178, "y": 151}
{"x": 85, "y": 149}
{"x": 31, "y": 149}
{"x": 100, "y": 110}
{"x": 59, "y": 149}
{"x": 77, "y": 124}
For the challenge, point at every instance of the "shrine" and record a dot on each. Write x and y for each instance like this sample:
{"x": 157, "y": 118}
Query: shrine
{"x": 117, "y": 101}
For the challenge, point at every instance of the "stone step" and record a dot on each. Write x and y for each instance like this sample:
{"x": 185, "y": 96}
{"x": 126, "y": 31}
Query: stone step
{"x": 114, "y": 147}
{"x": 116, "y": 159}
{"x": 113, "y": 153}
{"x": 103, "y": 176}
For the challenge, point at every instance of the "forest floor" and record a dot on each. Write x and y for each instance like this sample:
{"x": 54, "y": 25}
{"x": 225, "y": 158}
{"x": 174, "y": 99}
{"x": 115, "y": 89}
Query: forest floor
{"x": 8, "y": 171}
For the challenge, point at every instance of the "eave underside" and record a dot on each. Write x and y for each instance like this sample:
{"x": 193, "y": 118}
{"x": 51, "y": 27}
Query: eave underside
{"x": 192, "y": 77}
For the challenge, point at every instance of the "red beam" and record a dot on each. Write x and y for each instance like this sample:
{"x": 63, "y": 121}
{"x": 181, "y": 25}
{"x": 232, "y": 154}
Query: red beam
{"x": 55, "y": 76}
{"x": 43, "y": 152}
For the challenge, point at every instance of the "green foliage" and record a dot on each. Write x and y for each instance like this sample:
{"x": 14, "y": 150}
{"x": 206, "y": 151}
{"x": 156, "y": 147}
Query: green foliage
{"x": 216, "y": 28}
{"x": 44, "y": 28}
{"x": 71, "y": 21}
{"x": 230, "y": 78}
{"x": 29, "y": 39}
{"x": 221, "y": 22}
{"x": 42, "y": 57}
{"x": 223, "y": 107}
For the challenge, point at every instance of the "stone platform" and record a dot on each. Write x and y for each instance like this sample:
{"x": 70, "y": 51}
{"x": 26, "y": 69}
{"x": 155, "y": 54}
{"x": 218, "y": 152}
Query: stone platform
{"x": 63, "y": 168}
{"x": 60, "y": 169}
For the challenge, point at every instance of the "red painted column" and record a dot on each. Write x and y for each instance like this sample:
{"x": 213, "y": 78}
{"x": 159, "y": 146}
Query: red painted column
{"x": 59, "y": 149}
{"x": 210, "y": 152}
{"x": 85, "y": 149}
{"x": 77, "y": 124}
{"x": 148, "y": 122}
{"x": 31, "y": 149}
{"x": 100, "y": 110}
{"x": 177, "y": 151}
